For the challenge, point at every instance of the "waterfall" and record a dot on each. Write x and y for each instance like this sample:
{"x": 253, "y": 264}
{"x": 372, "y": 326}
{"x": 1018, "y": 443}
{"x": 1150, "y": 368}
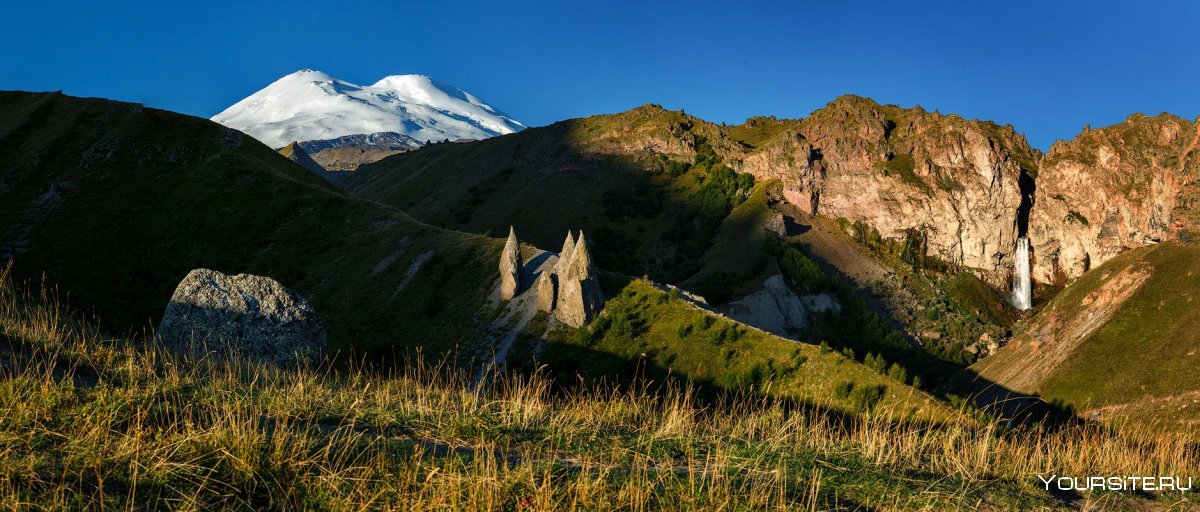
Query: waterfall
{"x": 1022, "y": 291}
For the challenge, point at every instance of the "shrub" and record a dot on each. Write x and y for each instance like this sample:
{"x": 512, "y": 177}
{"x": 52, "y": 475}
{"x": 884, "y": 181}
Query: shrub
{"x": 898, "y": 373}
{"x": 683, "y": 331}
{"x": 875, "y": 362}
{"x": 843, "y": 389}
{"x": 865, "y": 398}
{"x": 757, "y": 375}
{"x": 715, "y": 338}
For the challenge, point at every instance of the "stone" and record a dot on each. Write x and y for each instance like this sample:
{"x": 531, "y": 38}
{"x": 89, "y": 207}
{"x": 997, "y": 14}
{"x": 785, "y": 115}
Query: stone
{"x": 564, "y": 256}
{"x": 777, "y": 309}
{"x": 777, "y": 224}
{"x": 243, "y": 315}
{"x": 510, "y": 267}
{"x": 547, "y": 291}
{"x": 579, "y": 294}
{"x": 580, "y": 265}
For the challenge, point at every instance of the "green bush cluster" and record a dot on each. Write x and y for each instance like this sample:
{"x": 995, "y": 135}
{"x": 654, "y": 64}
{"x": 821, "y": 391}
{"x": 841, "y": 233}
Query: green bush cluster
{"x": 801, "y": 272}
{"x": 861, "y": 398}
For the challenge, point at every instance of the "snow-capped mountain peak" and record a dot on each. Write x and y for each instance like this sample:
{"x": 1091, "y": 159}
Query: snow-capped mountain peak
{"x": 311, "y": 105}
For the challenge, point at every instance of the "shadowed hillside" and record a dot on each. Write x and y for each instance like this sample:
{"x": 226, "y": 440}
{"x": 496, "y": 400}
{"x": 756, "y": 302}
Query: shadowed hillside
{"x": 116, "y": 202}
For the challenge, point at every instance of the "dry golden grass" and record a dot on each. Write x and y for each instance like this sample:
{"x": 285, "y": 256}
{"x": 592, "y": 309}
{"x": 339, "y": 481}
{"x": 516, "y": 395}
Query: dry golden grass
{"x": 89, "y": 422}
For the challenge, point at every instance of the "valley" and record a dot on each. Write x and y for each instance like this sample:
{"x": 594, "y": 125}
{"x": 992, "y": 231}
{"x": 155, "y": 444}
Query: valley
{"x": 862, "y": 264}
{"x": 592, "y": 256}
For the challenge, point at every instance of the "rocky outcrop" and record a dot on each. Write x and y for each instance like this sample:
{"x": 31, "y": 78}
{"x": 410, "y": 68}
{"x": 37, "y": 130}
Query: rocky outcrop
{"x": 296, "y": 153}
{"x": 955, "y": 181}
{"x": 564, "y": 255}
{"x": 1112, "y": 189}
{"x": 579, "y": 295}
{"x": 510, "y": 267}
{"x": 247, "y": 315}
{"x": 569, "y": 289}
{"x": 777, "y": 309}
{"x": 547, "y": 290}
{"x": 346, "y": 154}
{"x": 580, "y": 298}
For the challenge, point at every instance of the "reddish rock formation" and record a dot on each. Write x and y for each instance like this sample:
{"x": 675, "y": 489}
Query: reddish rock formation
{"x": 1112, "y": 189}
{"x": 897, "y": 169}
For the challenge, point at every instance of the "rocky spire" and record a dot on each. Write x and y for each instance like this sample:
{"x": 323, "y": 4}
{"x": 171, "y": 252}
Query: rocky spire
{"x": 580, "y": 266}
{"x": 579, "y": 296}
{"x": 547, "y": 291}
{"x": 510, "y": 267}
{"x": 564, "y": 256}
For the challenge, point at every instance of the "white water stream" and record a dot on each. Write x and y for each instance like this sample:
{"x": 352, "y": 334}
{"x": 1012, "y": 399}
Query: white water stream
{"x": 1022, "y": 291}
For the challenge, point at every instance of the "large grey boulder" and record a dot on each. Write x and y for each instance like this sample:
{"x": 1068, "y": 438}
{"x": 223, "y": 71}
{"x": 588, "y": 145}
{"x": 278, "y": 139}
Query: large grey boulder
{"x": 246, "y": 315}
{"x": 777, "y": 309}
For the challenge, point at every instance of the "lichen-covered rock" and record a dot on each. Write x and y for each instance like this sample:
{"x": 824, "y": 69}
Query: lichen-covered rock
{"x": 246, "y": 315}
{"x": 579, "y": 294}
{"x": 547, "y": 291}
{"x": 510, "y": 267}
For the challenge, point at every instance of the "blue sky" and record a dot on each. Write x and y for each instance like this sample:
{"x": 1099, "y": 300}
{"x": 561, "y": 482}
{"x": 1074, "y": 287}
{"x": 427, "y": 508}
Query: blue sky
{"x": 1046, "y": 67}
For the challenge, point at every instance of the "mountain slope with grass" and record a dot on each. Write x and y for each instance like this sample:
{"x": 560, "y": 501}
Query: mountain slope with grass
{"x": 1118, "y": 345}
{"x": 644, "y": 185}
{"x": 657, "y": 193}
{"x": 92, "y": 421}
{"x": 115, "y": 203}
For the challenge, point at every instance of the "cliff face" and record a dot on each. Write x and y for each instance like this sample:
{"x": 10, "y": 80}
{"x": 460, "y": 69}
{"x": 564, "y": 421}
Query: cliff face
{"x": 956, "y": 180}
{"x": 969, "y": 188}
{"x": 1113, "y": 189}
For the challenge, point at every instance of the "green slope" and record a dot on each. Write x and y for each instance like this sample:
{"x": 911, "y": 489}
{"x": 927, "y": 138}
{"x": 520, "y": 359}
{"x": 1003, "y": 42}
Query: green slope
{"x": 116, "y": 203}
{"x": 646, "y": 185}
{"x": 1118, "y": 343}
{"x": 646, "y": 332}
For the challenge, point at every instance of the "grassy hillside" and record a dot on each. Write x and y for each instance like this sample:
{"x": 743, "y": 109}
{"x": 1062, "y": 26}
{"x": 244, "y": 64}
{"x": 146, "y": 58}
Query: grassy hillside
{"x": 646, "y": 185}
{"x": 1118, "y": 339}
{"x": 116, "y": 203}
{"x": 646, "y": 332}
{"x": 94, "y": 422}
